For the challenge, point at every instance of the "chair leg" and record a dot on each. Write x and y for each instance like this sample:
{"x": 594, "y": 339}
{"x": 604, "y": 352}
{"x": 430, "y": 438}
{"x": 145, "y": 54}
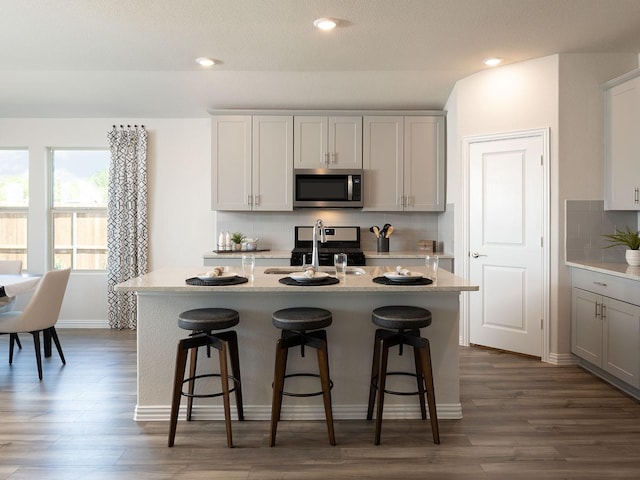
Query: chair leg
{"x": 17, "y": 339}
{"x": 181, "y": 363}
{"x": 382, "y": 380}
{"x": 323, "y": 366}
{"x": 374, "y": 375}
{"x": 278, "y": 386}
{"x": 235, "y": 371}
{"x": 420, "y": 381}
{"x": 224, "y": 379}
{"x": 56, "y": 341}
{"x": 12, "y": 338}
{"x": 425, "y": 355}
{"x": 193, "y": 366}
{"x": 36, "y": 346}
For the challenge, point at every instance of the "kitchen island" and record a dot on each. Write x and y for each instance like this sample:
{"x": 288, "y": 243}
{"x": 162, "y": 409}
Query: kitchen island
{"x": 163, "y": 294}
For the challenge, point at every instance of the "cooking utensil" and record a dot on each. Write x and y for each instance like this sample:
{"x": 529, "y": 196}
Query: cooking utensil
{"x": 375, "y": 230}
{"x": 383, "y": 232}
{"x": 389, "y": 231}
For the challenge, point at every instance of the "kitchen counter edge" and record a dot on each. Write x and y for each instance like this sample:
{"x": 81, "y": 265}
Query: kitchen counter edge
{"x": 621, "y": 270}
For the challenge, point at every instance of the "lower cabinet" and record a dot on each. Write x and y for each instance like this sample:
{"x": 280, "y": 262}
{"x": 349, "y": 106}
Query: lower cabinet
{"x": 605, "y": 331}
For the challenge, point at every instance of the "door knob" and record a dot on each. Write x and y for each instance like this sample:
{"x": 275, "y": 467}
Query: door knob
{"x": 476, "y": 255}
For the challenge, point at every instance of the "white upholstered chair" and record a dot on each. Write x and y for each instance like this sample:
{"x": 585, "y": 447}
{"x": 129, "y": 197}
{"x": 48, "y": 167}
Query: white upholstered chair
{"x": 40, "y": 314}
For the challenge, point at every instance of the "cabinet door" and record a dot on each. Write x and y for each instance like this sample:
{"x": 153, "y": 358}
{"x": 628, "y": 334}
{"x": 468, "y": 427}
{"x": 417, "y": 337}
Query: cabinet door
{"x": 231, "y": 162}
{"x": 383, "y": 153}
{"x": 272, "y": 162}
{"x": 424, "y": 164}
{"x": 345, "y": 142}
{"x": 310, "y": 142}
{"x": 586, "y": 325}
{"x": 622, "y": 175}
{"x": 621, "y": 340}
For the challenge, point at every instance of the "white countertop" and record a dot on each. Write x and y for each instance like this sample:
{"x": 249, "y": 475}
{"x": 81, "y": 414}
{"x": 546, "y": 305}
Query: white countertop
{"x": 173, "y": 280}
{"x": 616, "y": 269}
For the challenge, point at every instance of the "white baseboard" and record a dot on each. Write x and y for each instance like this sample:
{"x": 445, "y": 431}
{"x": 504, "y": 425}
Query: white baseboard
{"x": 79, "y": 323}
{"x": 562, "y": 359}
{"x": 160, "y": 413}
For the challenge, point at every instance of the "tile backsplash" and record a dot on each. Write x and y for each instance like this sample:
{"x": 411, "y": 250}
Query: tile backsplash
{"x": 586, "y": 223}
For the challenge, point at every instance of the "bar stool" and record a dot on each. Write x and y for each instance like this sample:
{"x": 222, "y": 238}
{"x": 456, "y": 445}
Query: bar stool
{"x": 202, "y": 322}
{"x": 301, "y": 326}
{"x": 400, "y": 325}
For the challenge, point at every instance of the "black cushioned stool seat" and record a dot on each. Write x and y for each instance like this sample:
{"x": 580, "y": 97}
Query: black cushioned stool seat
{"x": 401, "y": 325}
{"x": 302, "y": 326}
{"x": 203, "y": 322}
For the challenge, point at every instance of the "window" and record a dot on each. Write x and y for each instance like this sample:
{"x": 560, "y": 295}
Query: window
{"x": 79, "y": 208}
{"x": 14, "y": 203}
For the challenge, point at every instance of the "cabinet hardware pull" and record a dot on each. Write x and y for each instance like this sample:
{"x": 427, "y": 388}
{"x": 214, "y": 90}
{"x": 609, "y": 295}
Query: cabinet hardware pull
{"x": 597, "y": 314}
{"x": 256, "y": 200}
{"x": 248, "y": 199}
{"x": 602, "y": 284}
{"x": 636, "y": 193}
{"x": 603, "y": 311}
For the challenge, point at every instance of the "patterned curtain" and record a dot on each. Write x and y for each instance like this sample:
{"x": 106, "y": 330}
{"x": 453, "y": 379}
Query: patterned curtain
{"x": 127, "y": 229}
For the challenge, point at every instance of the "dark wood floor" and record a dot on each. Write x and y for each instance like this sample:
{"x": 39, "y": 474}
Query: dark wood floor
{"x": 522, "y": 420}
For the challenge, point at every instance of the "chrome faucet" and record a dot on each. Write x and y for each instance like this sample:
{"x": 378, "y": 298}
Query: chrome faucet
{"x": 315, "y": 263}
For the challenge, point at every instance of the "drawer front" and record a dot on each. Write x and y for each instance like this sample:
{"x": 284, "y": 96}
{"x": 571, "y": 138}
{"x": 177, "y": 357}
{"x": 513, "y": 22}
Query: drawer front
{"x": 623, "y": 289}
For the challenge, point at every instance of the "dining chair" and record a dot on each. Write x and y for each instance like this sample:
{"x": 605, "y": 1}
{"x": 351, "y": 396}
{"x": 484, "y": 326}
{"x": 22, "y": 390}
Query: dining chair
{"x": 10, "y": 267}
{"x": 40, "y": 314}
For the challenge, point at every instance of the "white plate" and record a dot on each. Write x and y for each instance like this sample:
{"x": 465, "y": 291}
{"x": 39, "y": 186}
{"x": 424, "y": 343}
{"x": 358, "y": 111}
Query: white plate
{"x": 221, "y": 276}
{"x": 300, "y": 276}
{"x": 396, "y": 277}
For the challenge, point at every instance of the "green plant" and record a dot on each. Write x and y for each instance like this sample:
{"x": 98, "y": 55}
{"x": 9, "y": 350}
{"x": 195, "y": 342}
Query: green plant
{"x": 628, "y": 238}
{"x": 237, "y": 237}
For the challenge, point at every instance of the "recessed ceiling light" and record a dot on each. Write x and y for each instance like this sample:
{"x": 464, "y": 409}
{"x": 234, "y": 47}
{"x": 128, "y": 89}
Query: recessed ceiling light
{"x": 205, "y": 62}
{"x": 492, "y": 61}
{"x": 325, "y": 23}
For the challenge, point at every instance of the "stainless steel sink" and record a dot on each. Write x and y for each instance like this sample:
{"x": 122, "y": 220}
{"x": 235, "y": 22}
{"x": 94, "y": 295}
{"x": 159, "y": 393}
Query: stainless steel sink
{"x": 289, "y": 270}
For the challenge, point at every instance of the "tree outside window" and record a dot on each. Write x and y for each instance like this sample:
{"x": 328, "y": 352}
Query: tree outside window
{"x": 79, "y": 208}
{"x": 14, "y": 204}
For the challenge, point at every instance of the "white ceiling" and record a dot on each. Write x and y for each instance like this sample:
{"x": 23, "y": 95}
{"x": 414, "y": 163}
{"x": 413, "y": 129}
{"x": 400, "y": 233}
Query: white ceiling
{"x": 135, "y": 58}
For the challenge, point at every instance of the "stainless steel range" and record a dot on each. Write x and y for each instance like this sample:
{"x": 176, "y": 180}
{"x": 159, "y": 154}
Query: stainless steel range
{"x": 339, "y": 240}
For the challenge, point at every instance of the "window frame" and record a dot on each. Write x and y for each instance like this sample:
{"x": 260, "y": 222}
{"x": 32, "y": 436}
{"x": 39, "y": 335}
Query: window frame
{"x": 53, "y": 210}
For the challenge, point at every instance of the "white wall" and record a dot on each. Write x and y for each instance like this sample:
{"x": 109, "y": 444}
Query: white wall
{"x": 558, "y": 92}
{"x": 180, "y": 220}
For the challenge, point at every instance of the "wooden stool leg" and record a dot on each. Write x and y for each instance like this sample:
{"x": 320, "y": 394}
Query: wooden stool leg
{"x": 382, "y": 380}
{"x": 224, "y": 378}
{"x": 278, "y": 386}
{"x": 181, "y": 363}
{"x": 420, "y": 381}
{"x": 192, "y": 373}
{"x": 235, "y": 371}
{"x": 425, "y": 354}
{"x": 374, "y": 373}
{"x": 323, "y": 367}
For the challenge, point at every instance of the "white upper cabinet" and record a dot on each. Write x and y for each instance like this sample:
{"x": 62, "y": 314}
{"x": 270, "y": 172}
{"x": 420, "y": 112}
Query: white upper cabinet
{"x": 252, "y": 162}
{"x": 622, "y": 143}
{"x": 327, "y": 142}
{"x": 231, "y": 162}
{"x": 404, "y": 162}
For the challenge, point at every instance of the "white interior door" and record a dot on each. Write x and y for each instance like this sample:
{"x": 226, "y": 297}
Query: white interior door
{"x": 506, "y": 213}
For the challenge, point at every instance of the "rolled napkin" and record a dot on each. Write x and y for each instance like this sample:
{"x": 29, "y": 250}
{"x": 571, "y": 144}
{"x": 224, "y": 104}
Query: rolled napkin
{"x": 309, "y": 272}
{"x": 402, "y": 271}
{"x": 215, "y": 272}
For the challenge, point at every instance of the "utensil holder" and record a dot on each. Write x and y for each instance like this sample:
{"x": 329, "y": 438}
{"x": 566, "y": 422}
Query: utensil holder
{"x": 383, "y": 244}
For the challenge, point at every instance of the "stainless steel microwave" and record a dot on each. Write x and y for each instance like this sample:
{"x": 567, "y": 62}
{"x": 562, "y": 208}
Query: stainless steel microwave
{"x": 327, "y": 188}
